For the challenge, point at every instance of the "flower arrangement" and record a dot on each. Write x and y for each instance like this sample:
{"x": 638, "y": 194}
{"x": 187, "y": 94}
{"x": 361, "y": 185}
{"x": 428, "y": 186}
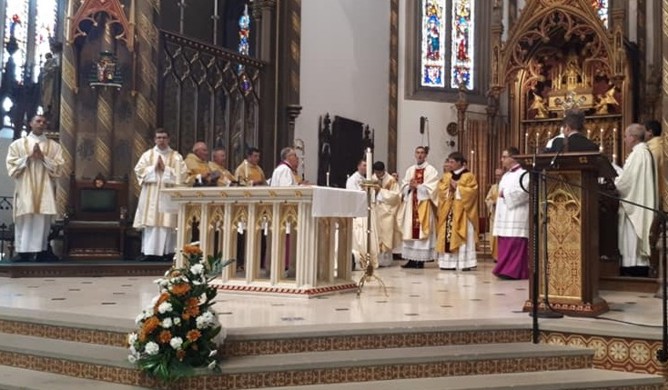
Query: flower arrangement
{"x": 180, "y": 331}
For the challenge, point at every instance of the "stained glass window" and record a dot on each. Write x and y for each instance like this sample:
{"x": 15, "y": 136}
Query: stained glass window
{"x": 433, "y": 45}
{"x": 438, "y": 68}
{"x": 244, "y": 46}
{"x": 16, "y": 26}
{"x": 462, "y": 44}
{"x": 602, "y": 8}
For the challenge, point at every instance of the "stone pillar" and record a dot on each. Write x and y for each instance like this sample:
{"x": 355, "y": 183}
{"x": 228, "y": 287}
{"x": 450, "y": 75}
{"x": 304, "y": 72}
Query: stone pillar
{"x": 104, "y": 125}
{"x": 146, "y": 76}
{"x": 664, "y": 121}
{"x": 68, "y": 126}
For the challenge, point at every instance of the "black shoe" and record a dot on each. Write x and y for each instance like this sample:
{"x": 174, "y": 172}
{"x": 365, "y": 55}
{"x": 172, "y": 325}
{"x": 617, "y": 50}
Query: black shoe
{"x": 168, "y": 257}
{"x": 419, "y": 264}
{"x": 20, "y": 258}
{"x": 142, "y": 258}
{"x": 469, "y": 268}
{"x": 447, "y": 269}
{"x": 410, "y": 264}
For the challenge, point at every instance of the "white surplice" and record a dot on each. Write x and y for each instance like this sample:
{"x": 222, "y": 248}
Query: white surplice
{"x": 158, "y": 227}
{"x": 283, "y": 176}
{"x": 35, "y": 191}
{"x": 422, "y": 248}
{"x": 636, "y": 184}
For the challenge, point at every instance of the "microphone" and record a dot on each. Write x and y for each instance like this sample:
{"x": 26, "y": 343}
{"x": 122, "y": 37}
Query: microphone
{"x": 556, "y": 156}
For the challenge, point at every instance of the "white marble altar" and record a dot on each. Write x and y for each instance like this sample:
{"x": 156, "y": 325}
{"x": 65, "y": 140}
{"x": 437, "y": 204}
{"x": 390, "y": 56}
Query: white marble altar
{"x": 292, "y": 241}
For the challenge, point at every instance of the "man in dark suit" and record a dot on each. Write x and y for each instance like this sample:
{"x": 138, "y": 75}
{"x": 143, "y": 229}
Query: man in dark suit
{"x": 573, "y": 140}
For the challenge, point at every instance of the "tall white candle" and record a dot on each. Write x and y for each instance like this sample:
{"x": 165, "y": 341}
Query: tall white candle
{"x": 369, "y": 163}
{"x": 601, "y": 147}
{"x": 327, "y": 181}
{"x": 178, "y": 173}
{"x": 246, "y": 169}
{"x": 526, "y": 142}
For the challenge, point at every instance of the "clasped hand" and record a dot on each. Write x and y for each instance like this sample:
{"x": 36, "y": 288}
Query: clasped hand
{"x": 37, "y": 153}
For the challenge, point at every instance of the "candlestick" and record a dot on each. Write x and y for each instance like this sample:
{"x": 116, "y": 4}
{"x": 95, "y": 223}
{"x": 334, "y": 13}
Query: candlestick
{"x": 589, "y": 133}
{"x": 537, "y": 135}
{"x": 526, "y": 142}
{"x": 601, "y": 147}
{"x": 327, "y": 180}
{"x": 246, "y": 169}
{"x": 369, "y": 163}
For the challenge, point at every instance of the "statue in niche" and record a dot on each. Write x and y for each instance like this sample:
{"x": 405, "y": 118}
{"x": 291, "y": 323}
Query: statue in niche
{"x": 604, "y": 100}
{"x": 538, "y": 105}
{"x": 49, "y": 91}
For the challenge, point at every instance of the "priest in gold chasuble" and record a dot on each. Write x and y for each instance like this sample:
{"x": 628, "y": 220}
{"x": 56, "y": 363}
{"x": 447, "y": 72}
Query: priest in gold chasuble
{"x": 34, "y": 162}
{"x": 416, "y": 214}
{"x": 457, "y": 216}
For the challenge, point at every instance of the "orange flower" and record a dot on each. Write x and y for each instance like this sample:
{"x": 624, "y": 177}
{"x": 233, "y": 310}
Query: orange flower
{"x": 165, "y": 336}
{"x": 192, "y": 250}
{"x": 180, "y": 289}
{"x": 180, "y": 354}
{"x": 150, "y": 325}
{"x": 191, "y": 309}
{"x": 193, "y": 335}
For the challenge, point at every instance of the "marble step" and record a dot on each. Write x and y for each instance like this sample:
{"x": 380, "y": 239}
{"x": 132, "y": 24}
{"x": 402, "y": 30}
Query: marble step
{"x": 108, "y": 363}
{"x": 434, "y": 361}
{"x": 12, "y": 378}
{"x": 544, "y": 380}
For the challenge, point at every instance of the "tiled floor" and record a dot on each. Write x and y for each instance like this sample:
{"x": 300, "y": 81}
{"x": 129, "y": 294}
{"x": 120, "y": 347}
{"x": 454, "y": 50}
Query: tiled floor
{"x": 413, "y": 295}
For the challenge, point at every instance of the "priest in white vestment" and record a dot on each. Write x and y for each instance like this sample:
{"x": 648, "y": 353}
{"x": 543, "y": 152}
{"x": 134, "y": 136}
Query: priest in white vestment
{"x": 416, "y": 216}
{"x": 158, "y": 168}
{"x": 285, "y": 174}
{"x": 34, "y": 162}
{"x": 359, "y": 244}
{"x": 387, "y": 202}
{"x": 636, "y": 184}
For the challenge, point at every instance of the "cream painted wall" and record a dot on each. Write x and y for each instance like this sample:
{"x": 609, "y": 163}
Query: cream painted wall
{"x": 345, "y": 48}
{"x": 345, "y": 71}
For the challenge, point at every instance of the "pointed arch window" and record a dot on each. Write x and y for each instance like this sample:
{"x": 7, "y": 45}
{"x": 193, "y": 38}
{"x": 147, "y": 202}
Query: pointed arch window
{"x": 445, "y": 31}
{"x": 28, "y": 28}
{"x": 602, "y": 8}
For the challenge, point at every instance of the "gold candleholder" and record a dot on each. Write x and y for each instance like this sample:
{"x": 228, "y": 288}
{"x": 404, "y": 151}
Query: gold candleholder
{"x": 366, "y": 262}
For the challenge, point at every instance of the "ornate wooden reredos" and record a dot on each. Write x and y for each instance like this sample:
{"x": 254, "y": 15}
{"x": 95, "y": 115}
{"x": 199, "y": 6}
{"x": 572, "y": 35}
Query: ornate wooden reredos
{"x": 560, "y": 55}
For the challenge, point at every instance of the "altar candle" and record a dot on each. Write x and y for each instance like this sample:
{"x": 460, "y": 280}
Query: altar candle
{"x": 287, "y": 228}
{"x": 526, "y": 142}
{"x": 601, "y": 147}
{"x": 369, "y": 163}
{"x": 178, "y": 173}
{"x": 537, "y": 135}
{"x": 327, "y": 180}
{"x": 549, "y": 134}
{"x": 265, "y": 227}
{"x": 246, "y": 169}
{"x": 614, "y": 144}
{"x": 589, "y": 133}
{"x": 240, "y": 227}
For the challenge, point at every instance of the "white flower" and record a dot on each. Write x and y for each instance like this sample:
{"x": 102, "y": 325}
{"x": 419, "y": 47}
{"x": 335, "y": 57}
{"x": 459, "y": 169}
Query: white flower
{"x": 152, "y": 348}
{"x": 132, "y": 359}
{"x": 196, "y": 282}
{"x": 213, "y": 353}
{"x": 166, "y": 323}
{"x": 197, "y": 269}
{"x": 176, "y": 321}
{"x": 212, "y": 365}
{"x": 176, "y": 342}
{"x": 133, "y": 350}
{"x": 140, "y": 318}
{"x": 164, "y": 307}
{"x": 132, "y": 338}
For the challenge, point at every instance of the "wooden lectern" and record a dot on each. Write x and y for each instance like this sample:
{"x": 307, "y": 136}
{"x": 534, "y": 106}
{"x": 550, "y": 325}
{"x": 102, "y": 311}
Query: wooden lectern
{"x": 571, "y": 185}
